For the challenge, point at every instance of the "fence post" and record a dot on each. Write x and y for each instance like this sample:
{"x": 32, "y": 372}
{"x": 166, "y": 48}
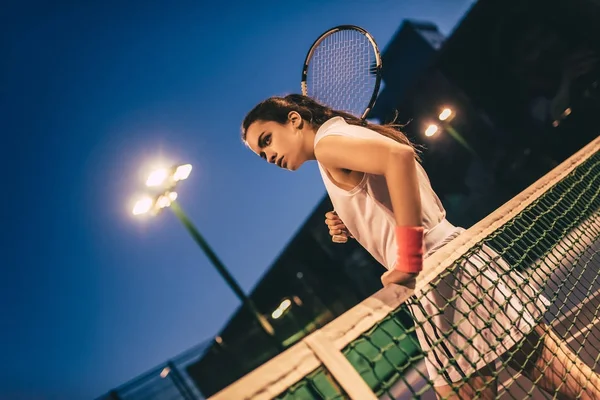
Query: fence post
{"x": 180, "y": 383}
{"x": 339, "y": 367}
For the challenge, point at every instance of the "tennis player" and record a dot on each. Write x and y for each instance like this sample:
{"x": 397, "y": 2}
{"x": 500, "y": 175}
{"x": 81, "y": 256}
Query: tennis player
{"x": 383, "y": 198}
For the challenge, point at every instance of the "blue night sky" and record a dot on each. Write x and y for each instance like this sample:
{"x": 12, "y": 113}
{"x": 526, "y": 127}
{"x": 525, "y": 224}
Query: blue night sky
{"x": 93, "y": 95}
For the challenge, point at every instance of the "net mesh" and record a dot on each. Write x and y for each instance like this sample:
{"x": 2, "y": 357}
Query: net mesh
{"x": 341, "y": 72}
{"x": 513, "y": 314}
{"x": 317, "y": 385}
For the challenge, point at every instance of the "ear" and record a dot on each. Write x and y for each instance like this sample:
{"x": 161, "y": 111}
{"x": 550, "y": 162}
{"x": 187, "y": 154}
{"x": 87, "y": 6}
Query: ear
{"x": 295, "y": 119}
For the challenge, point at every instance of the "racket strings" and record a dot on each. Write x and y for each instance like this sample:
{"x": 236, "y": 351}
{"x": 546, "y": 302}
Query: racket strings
{"x": 342, "y": 72}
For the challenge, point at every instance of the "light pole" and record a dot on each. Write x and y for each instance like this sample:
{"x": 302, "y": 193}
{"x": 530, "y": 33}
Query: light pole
{"x": 166, "y": 180}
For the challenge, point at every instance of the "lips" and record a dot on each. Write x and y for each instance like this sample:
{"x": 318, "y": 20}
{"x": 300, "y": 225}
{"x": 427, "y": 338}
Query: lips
{"x": 280, "y": 162}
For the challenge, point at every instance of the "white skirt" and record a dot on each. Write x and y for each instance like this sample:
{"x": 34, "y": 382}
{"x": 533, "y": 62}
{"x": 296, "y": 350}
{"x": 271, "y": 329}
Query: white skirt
{"x": 469, "y": 316}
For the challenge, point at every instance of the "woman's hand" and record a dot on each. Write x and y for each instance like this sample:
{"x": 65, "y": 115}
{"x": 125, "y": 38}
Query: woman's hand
{"x": 394, "y": 276}
{"x": 338, "y": 231}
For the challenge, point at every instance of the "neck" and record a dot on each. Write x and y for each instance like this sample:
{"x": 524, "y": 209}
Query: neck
{"x": 309, "y": 141}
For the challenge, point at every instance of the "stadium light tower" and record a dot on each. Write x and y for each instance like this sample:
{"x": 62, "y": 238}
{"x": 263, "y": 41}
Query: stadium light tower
{"x": 166, "y": 179}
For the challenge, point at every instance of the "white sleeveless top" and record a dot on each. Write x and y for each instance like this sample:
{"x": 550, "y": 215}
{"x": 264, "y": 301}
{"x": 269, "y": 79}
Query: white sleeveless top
{"x": 366, "y": 210}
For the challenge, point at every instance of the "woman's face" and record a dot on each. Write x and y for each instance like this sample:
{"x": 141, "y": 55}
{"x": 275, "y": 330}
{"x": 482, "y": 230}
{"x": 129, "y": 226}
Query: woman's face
{"x": 279, "y": 144}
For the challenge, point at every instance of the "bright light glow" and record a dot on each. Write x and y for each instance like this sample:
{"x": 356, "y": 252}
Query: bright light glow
{"x": 163, "y": 201}
{"x": 297, "y": 300}
{"x": 283, "y": 307}
{"x": 165, "y": 372}
{"x": 143, "y": 206}
{"x": 285, "y": 304}
{"x": 166, "y": 199}
{"x": 182, "y": 172}
{"x": 157, "y": 178}
{"x": 445, "y": 114}
{"x": 431, "y": 130}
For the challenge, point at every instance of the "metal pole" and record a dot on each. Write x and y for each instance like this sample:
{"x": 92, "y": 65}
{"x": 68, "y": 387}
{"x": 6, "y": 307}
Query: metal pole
{"x": 265, "y": 325}
{"x": 461, "y": 140}
{"x": 179, "y": 382}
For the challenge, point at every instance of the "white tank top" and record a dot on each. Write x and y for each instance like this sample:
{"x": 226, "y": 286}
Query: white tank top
{"x": 367, "y": 209}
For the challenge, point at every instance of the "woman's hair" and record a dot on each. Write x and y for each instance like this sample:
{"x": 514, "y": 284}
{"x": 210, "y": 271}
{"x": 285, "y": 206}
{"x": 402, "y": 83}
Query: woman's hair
{"x": 277, "y": 109}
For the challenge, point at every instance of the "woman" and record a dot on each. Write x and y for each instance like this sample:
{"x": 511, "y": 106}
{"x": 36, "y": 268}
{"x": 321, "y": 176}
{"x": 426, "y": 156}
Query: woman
{"x": 384, "y": 198}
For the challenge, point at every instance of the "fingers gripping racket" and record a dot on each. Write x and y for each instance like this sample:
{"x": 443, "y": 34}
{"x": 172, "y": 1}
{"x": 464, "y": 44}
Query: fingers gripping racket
{"x": 342, "y": 70}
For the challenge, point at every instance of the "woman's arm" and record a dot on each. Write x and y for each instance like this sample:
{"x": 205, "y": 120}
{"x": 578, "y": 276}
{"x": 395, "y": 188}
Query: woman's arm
{"x": 397, "y": 163}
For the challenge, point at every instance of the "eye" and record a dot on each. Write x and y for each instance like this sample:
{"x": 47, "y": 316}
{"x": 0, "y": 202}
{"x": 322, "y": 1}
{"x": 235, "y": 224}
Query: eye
{"x": 265, "y": 141}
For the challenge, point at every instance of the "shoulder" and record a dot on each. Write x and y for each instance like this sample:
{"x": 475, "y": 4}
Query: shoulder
{"x": 371, "y": 155}
{"x": 333, "y": 130}
{"x": 337, "y": 126}
{"x": 333, "y": 126}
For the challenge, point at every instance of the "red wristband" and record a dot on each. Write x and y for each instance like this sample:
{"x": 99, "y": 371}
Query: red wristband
{"x": 410, "y": 248}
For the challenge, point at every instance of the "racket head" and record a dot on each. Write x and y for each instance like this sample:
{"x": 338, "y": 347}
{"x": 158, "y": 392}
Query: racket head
{"x": 342, "y": 70}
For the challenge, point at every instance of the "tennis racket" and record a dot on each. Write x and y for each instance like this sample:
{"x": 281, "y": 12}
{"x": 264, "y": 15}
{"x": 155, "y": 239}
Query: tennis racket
{"x": 342, "y": 70}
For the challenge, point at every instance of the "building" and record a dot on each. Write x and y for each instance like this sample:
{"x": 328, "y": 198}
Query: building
{"x": 522, "y": 82}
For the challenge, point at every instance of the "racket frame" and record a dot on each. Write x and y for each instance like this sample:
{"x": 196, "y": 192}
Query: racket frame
{"x": 376, "y": 70}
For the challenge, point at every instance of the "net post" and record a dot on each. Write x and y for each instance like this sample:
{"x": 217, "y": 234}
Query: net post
{"x": 339, "y": 367}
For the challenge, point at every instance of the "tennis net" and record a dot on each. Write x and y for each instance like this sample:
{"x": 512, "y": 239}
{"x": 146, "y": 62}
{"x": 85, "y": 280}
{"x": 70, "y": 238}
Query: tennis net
{"x": 507, "y": 309}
